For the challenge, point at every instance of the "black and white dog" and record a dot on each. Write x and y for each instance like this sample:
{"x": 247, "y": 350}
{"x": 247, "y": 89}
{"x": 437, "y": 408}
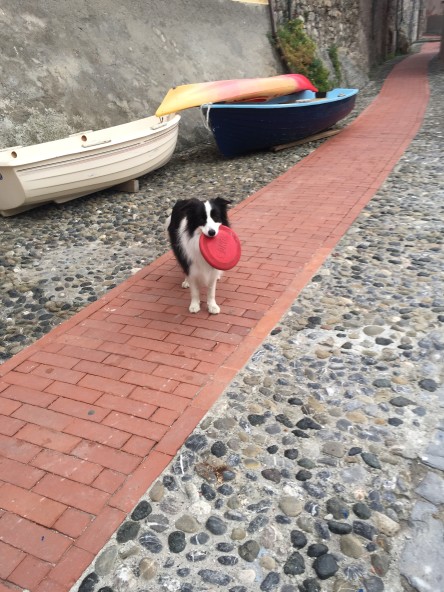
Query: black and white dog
{"x": 189, "y": 219}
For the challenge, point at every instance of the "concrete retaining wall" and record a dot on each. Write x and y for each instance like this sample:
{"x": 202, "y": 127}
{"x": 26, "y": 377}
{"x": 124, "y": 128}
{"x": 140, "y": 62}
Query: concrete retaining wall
{"x": 73, "y": 65}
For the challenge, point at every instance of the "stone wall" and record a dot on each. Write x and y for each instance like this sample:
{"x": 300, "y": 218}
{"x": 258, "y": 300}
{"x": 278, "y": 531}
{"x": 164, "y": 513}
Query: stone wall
{"x": 411, "y": 21}
{"x": 434, "y": 16}
{"x": 364, "y": 31}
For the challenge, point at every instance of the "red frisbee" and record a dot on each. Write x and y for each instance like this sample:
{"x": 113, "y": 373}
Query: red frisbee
{"x": 222, "y": 251}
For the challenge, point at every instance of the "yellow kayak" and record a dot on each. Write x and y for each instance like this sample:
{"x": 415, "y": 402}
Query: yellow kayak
{"x": 242, "y": 89}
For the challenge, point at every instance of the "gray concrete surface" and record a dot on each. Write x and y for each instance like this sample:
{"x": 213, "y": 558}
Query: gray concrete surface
{"x": 75, "y": 65}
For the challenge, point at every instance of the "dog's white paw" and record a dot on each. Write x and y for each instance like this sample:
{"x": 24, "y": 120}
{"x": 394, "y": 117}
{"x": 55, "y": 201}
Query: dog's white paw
{"x": 185, "y": 284}
{"x": 194, "y": 307}
{"x": 213, "y": 308}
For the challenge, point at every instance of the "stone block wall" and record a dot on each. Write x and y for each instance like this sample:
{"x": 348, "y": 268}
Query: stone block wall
{"x": 364, "y": 31}
{"x": 434, "y": 16}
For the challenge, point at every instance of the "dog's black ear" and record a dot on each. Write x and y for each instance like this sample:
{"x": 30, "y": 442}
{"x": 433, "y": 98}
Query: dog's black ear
{"x": 221, "y": 201}
{"x": 222, "y": 204}
{"x": 182, "y": 205}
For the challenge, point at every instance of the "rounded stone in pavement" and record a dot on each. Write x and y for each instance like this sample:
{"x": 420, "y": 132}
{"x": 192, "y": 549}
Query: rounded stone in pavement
{"x": 316, "y": 550}
{"x": 295, "y": 564}
{"x": 157, "y": 491}
{"x": 219, "y": 449}
{"x": 362, "y": 510}
{"x": 88, "y": 583}
{"x": 151, "y": 542}
{"x": 176, "y": 541}
{"x": 338, "y": 508}
{"x": 141, "y": 511}
{"x": 298, "y": 539}
{"x": 127, "y": 532}
{"x": 105, "y": 561}
{"x": 385, "y": 524}
{"x": 291, "y": 453}
{"x": 211, "y": 576}
{"x": 365, "y": 530}
{"x": 270, "y": 582}
{"x": 272, "y": 475}
{"x": 401, "y": 401}
{"x": 215, "y": 525}
{"x": 371, "y": 459}
{"x": 307, "y": 423}
{"x": 291, "y": 506}
{"x": 339, "y": 527}
{"x": 380, "y": 563}
{"x": 374, "y": 584}
{"x": 428, "y": 384}
{"x": 187, "y": 523}
{"x": 351, "y": 546}
{"x": 249, "y": 550}
{"x": 310, "y": 585}
{"x": 256, "y": 419}
{"x": 148, "y": 568}
{"x": 304, "y": 475}
{"x": 325, "y": 566}
{"x": 335, "y": 449}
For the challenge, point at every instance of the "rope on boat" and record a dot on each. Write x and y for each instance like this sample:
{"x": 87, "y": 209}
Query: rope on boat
{"x": 206, "y": 117}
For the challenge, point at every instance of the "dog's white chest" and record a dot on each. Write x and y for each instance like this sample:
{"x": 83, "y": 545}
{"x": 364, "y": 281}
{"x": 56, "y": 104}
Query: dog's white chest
{"x": 199, "y": 268}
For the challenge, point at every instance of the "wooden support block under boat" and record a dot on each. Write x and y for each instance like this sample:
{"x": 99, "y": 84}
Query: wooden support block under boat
{"x": 320, "y": 136}
{"x": 131, "y": 186}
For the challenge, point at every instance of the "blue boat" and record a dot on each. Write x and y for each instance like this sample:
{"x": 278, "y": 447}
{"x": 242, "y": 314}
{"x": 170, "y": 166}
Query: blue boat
{"x": 244, "y": 127}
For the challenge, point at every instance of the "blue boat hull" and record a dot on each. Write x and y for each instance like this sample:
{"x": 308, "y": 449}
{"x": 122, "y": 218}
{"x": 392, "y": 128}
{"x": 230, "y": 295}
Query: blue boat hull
{"x": 245, "y": 127}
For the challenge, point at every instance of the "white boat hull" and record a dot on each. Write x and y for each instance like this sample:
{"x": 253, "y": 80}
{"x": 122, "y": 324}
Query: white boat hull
{"x": 84, "y": 163}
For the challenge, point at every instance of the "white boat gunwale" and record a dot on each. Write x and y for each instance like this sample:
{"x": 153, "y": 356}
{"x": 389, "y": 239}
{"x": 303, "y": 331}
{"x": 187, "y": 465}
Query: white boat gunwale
{"x": 89, "y": 140}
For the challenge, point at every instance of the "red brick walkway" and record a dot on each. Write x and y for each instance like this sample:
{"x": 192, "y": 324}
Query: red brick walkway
{"x": 92, "y": 413}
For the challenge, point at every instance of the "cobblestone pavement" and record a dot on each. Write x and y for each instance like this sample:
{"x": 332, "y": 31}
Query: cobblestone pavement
{"x": 321, "y": 466}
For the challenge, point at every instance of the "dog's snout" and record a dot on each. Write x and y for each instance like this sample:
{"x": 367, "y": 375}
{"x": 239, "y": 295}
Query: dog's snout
{"x": 211, "y": 232}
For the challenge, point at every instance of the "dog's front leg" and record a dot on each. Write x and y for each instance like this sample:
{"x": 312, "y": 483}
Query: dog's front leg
{"x": 195, "y": 295}
{"x": 213, "y": 308}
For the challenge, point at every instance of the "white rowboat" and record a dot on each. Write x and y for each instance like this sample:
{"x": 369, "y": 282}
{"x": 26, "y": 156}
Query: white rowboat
{"x": 84, "y": 162}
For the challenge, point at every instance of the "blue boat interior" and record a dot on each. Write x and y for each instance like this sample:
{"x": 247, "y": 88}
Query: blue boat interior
{"x": 302, "y": 98}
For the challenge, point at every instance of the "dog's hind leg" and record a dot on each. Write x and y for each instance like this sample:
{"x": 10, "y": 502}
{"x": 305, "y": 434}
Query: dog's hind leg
{"x": 213, "y": 308}
{"x": 195, "y": 295}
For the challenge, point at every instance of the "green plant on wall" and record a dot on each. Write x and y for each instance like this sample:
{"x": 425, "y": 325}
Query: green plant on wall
{"x": 334, "y": 58}
{"x": 299, "y": 51}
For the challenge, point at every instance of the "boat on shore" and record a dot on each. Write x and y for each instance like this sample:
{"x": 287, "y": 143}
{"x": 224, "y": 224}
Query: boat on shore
{"x": 243, "y": 127}
{"x": 84, "y": 162}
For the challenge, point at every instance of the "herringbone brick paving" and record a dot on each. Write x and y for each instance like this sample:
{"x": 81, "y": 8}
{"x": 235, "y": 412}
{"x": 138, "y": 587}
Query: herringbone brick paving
{"x": 92, "y": 413}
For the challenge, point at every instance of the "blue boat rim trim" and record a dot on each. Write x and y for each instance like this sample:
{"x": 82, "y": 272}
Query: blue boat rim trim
{"x": 340, "y": 95}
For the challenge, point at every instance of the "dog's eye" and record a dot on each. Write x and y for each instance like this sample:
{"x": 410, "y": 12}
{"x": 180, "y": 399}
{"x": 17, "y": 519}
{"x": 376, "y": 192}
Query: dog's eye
{"x": 215, "y": 215}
